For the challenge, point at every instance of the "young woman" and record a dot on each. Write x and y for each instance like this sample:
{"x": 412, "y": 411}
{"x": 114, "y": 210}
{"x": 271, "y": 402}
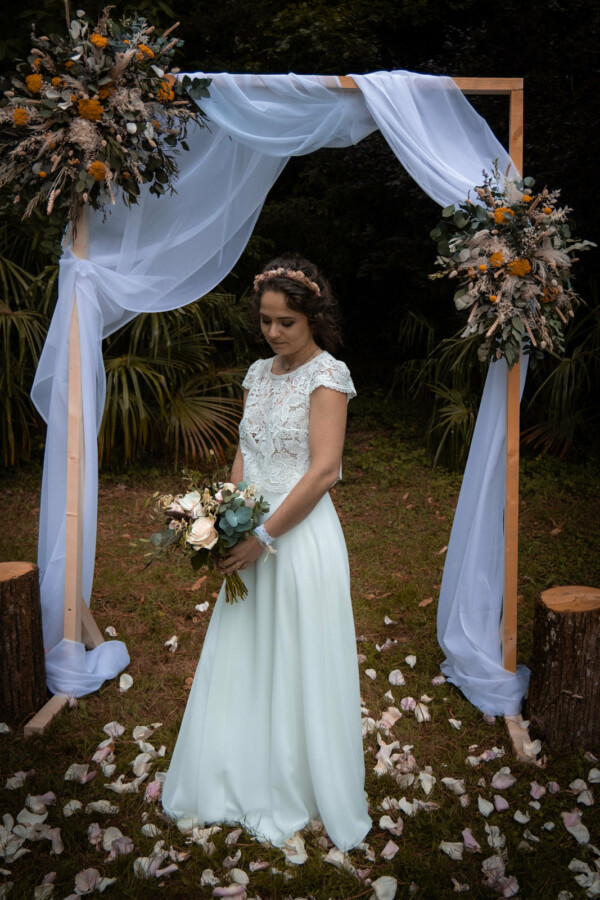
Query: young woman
{"x": 271, "y": 737}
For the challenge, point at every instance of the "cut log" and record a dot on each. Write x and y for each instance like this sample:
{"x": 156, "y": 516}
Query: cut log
{"x": 564, "y": 694}
{"x": 22, "y": 669}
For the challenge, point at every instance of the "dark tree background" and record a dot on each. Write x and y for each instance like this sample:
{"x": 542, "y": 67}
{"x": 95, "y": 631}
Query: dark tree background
{"x": 355, "y": 211}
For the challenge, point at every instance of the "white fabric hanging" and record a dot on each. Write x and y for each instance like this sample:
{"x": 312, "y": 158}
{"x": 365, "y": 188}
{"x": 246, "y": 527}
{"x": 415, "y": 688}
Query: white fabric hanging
{"x": 166, "y": 252}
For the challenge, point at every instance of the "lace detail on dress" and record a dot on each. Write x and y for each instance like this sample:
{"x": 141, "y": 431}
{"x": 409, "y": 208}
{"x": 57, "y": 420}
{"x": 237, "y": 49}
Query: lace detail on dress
{"x": 274, "y": 428}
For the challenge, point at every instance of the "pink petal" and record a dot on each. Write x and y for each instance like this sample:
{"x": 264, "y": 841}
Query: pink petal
{"x": 500, "y": 803}
{"x": 469, "y": 841}
{"x": 553, "y": 787}
{"x": 537, "y": 791}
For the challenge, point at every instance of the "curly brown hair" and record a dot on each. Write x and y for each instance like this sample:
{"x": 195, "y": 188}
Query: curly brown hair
{"x": 321, "y": 311}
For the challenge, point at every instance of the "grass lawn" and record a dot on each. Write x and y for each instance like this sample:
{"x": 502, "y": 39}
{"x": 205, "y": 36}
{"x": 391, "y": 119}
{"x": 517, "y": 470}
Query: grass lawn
{"x": 397, "y": 514}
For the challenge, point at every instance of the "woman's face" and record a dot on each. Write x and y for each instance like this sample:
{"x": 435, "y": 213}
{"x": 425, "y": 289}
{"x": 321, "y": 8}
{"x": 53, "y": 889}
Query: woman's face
{"x": 286, "y": 330}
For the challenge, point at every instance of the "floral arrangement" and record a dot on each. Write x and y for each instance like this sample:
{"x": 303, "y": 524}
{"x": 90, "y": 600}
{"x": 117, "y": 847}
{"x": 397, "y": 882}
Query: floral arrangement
{"x": 511, "y": 252}
{"x": 93, "y": 111}
{"x": 207, "y": 522}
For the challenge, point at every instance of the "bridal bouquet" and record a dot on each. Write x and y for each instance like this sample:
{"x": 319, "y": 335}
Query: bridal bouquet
{"x": 511, "y": 252}
{"x": 207, "y": 522}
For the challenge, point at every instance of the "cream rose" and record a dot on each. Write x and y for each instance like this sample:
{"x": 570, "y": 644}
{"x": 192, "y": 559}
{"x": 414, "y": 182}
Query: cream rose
{"x": 203, "y": 534}
{"x": 190, "y": 501}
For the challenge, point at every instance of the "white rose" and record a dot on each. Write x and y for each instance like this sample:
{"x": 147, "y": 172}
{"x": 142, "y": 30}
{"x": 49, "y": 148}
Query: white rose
{"x": 189, "y": 501}
{"x": 203, "y": 534}
{"x": 228, "y": 486}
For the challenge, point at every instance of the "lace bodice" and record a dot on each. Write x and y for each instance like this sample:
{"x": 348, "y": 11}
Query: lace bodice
{"x": 274, "y": 428}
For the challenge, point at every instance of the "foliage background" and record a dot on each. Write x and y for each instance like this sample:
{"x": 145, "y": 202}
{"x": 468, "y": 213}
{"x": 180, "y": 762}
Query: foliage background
{"x": 362, "y": 218}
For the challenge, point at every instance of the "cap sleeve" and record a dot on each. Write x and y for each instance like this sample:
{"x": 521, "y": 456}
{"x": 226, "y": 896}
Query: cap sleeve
{"x": 332, "y": 373}
{"x": 252, "y": 375}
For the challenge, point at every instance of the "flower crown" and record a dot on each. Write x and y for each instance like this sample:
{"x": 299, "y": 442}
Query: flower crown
{"x": 295, "y": 275}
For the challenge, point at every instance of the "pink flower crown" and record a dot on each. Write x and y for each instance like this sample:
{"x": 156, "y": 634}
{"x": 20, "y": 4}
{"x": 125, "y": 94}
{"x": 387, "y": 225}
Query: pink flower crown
{"x": 295, "y": 275}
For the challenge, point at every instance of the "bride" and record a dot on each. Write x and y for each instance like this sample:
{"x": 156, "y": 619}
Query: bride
{"x": 271, "y": 736}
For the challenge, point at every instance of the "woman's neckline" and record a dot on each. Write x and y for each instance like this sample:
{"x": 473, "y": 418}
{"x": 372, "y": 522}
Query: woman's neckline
{"x": 293, "y": 371}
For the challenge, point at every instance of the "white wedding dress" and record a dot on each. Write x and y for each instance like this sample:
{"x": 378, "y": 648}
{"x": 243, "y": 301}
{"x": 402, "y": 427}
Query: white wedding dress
{"x": 271, "y": 736}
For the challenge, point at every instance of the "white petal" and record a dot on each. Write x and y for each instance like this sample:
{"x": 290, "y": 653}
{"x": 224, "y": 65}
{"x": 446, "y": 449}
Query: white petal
{"x": 76, "y": 772}
{"x": 72, "y": 807}
{"x": 385, "y": 888}
{"x": 150, "y": 830}
{"x": 396, "y": 677}
{"x": 453, "y": 849}
{"x": 456, "y": 785}
{"x": 427, "y": 782}
{"x": 208, "y": 878}
{"x": 387, "y": 823}
{"x": 532, "y": 748}
{"x": 111, "y": 834}
{"x": 469, "y": 841}
{"x": 500, "y": 803}
{"x": 171, "y": 644}
{"x": 389, "y": 621}
{"x": 104, "y": 807}
{"x": 496, "y": 839}
{"x": 521, "y": 818}
{"x": 586, "y": 798}
{"x": 110, "y": 631}
{"x": 502, "y": 780}
{"x": 408, "y": 704}
{"x": 238, "y": 876}
{"x": 340, "y": 860}
{"x": 578, "y": 785}
{"x": 294, "y": 850}
{"x": 485, "y": 807}
{"x": 202, "y": 607}
{"x": 574, "y": 826}
{"x": 411, "y": 661}
{"x": 437, "y": 680}
{"x": 548, "y": 826}
{"x": 537, "y": 791}
{"x": 113, "y": 729}
{"x": 390, "y": 850}
{"x": 456, "y": 723}
{"x": 4, "y": 729}
{"x": 594, "y": 776}
{"x": 125, "y": 682}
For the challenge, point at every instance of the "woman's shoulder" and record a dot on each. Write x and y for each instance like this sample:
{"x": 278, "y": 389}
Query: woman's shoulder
{"x": 258, "y": 368}
{"x": 332, "y": 373}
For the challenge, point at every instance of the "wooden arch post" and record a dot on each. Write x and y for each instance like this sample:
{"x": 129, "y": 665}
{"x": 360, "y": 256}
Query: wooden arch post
{"x": 513, "y": 89}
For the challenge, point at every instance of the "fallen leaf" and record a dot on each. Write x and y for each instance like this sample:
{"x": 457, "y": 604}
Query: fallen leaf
{"x": 443, "y": 550}
{"x": 425, "y": 602}
{"x": 557, "y": 528}
{"x": 198, "y": 584}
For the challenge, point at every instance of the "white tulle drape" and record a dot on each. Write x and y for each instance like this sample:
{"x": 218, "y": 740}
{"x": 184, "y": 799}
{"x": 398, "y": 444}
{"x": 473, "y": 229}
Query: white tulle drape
{"x": 166, "y": 252}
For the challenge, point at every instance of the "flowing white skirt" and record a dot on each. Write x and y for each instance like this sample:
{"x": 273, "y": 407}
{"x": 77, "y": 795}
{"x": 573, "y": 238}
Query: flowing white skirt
{"x": 271, "y": 736}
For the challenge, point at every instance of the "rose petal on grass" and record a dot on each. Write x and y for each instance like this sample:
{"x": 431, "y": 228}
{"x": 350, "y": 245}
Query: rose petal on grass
{"x": 456, "y": 785}
{"x": 294, "y": 850}
{"x": 113, "y": 730}
{"x": 427, "y": 782}
{"x": 503, "y": 780}
{"x": 469, "y": 841}
{"x": 437, "y": 680}
{"x": 72, "y": 807}
{"x": 238, "y": 876}
{"x": 172, "y": 644}
{"x": 387, "y": 823}
{"x": 4, "y": 729}
{"x": 500, "y": 803}
{"x": 408, "y": 704}
{"x": 521, "y": 818}
{"x": 594, "y": 776}
{"x": 388, "y": 621}
{"x": 390, "y": 850}
{"x": 573, "y": 824}
{"x": 371, "y": 673}
{"x": 385, "y": 888}
{"x": 425, "y": 602}
{"x": 125, "y": 787}
{"x": 537, "y": 790}
{"x": 258, "y": 865}
{"x": 456, "y": 723}
{"x": 125, "y": 682}
{"x": 202, "y": 607}
{"x": 578, "y": 785}
{"x": 209, "y": 879}
{"x": 586, "y": 798}
{"x": 230, "y": 862}
{"x": 110, "y": 631}
{"x": 14, "y": 782}
{"x": 496, "y": 839}
{"x": 452, "y": 849}
{"x": 485, "y": 807}
{"x": 532, "y": 748}
{"x": 389, "y": 717}
{"x": 340, "y": 860}
{"x": 104, "y": 807}
{"x": 459, "y": 888}
{"x": 411, "y": 660}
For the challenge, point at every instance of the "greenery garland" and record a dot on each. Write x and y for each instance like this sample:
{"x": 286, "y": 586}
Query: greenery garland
{"x": 511, "y": 252}
{"x": 96, "y": 110}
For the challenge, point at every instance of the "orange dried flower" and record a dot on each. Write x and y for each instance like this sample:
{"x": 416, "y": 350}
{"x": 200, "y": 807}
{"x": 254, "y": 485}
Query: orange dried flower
{"x": 90, "y": 109}
{"x": 500, "y": 214}
{"x": 496, "y": 259}
{"x": 527, "y": 198}
{"x": 42, "y": 174}
{"x": 37, "y": 63}
{"x": 165, "y": 92}
{"x": 547, "y": 210}
{"x": 20, "y": 116}
{"x": 519, "y": 267}
{"x": 144, "y": 51}
{"x": 106, "y": 90}
{"x": 493, "y": 298}
{"x": 34, "y": 83}
{"x": 97, "y": 170}
{"x": 69, "y": 63}
{"x": 482, "y": 267}
{"x": 98, "y": 40}
{"x": 56, "y": 82}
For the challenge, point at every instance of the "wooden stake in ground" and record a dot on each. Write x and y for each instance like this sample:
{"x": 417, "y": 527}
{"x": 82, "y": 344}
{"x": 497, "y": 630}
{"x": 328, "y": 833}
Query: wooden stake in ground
{"x": 22, "y": 670}
{"x": 564, "y": 693}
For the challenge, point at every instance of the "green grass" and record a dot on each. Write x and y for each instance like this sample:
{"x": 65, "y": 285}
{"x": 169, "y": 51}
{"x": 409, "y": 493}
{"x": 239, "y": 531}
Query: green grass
{"x": 397, "y": 514}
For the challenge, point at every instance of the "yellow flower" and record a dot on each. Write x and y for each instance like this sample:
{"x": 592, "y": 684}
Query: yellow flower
{"x": 143, "y": 51}
{"x": 493, "y": 298}
{"x": 98, "y": 40}
{"x": 98, "y": 170}
{"x": 482, "y": 267}
{"x": 500, "y": 214}
{"x": 520, "y": 267}
{"x": 90, "y": 109}
{"x": 56, "y": 82}
{"x": 527, "y": 198}
{"x": 20, "y": 116}
{"x": 165, "y": 92}
{"x": 34, "y": 83}
{"x": 496, "y": 259}
{"x": 547, "y": 210}
{"x": 106, "y": 90}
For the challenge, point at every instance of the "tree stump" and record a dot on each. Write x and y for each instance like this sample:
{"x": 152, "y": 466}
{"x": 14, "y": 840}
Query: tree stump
{"x": 22, "y": 668}
{"x": 564, "y": 693}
